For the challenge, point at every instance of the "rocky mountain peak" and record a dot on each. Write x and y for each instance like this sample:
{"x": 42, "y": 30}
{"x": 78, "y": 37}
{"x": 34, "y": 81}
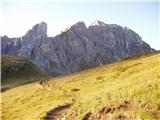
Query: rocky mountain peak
{"x": 78, "y": 48}
{"x": 38, "y": 30}
{"x": 79, "y": 26}
{"x": 97, "y": 23}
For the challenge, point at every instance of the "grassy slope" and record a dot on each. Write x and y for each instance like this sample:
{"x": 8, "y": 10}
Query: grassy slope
{"x": 136, "y": 81}
{"x": 16, "y": 71}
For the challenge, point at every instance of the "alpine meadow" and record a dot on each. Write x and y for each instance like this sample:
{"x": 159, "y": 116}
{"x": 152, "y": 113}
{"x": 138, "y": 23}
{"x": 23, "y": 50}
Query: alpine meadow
{"x": 80, "y": 60}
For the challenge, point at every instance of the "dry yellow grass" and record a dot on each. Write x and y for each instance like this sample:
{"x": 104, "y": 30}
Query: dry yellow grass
{"x": 134, "y": 80}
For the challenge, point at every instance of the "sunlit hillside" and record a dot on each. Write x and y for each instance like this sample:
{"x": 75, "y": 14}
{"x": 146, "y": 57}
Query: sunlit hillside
{"x": 126, "y": 90}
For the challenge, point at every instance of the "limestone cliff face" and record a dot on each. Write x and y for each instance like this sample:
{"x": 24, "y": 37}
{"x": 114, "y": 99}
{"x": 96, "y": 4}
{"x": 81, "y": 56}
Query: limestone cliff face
{"x": 77, "y": 48}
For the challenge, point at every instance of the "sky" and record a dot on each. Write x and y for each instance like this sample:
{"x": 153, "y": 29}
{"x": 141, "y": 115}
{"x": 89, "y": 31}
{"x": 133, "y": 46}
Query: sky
{"x": 18, "y": 16}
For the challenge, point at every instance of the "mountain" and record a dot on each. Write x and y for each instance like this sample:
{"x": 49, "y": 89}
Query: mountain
{"x": 77, "y": 48}
{"x": 16, "y": 71}
{"x": 125, "y": 90}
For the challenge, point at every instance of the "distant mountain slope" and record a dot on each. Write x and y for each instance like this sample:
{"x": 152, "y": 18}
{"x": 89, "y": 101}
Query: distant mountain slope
{"x": 126, "y": 90}
{"x": 77, "y": 48}
{"x": 16, "y": 70}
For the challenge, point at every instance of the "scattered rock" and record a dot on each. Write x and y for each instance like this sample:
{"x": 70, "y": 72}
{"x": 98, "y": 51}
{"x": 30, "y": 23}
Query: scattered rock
{"x": 75, "y": 89}
{"x": 87, "y": 116}
{"x": 107, "y": 112}
{"x": 58, "y": 113}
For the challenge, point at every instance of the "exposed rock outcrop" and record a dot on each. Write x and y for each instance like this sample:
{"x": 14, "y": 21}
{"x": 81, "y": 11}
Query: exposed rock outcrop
{"x": 77, "y": 48}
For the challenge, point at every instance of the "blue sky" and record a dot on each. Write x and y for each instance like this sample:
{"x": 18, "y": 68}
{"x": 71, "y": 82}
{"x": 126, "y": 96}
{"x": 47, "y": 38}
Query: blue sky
{"x": 18, "y": 16}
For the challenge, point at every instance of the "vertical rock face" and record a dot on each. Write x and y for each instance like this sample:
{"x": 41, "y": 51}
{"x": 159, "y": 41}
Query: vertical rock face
{"x": 10, "y": 46}
{"x": 77, "y": 48}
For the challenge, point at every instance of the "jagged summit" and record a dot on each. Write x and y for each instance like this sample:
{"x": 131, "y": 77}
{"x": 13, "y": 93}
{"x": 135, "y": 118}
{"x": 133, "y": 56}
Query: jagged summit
{"x": 79, "y": 26}
{"x": 38, "y": 29}
{"x": 78, "y": 48}
{"x": 97, "y": 23}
